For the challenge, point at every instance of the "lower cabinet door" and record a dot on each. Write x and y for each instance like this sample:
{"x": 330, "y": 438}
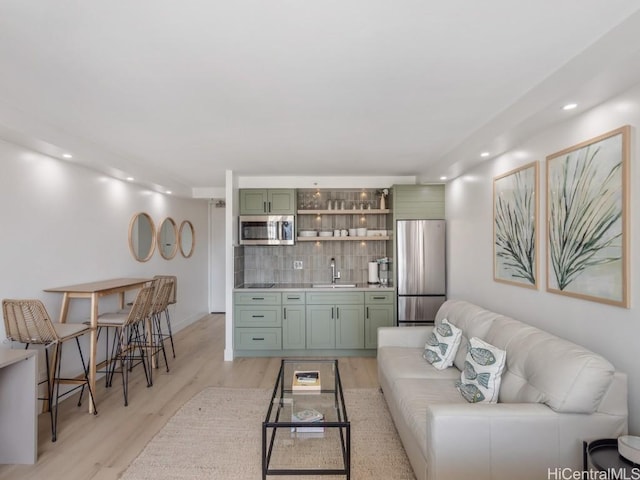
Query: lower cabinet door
{"x": 376, "y": 316}
{"x": 258, "y": 338}
{"x": 321, "y": 326}
{"x": 293, "y": 327}
{"x": 349, "y": 326}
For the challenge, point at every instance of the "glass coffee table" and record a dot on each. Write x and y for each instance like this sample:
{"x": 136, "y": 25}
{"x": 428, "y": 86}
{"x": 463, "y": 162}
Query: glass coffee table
{"x": 306, "y": 430}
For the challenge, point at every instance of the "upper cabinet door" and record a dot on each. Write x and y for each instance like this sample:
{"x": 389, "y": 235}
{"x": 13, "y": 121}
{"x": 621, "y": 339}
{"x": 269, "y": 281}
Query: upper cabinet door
{"x": 418, "y": 202}
{"x": 259, "y": 201}
{"x": 253, "y": 201}
{"x": 281, "y": 202}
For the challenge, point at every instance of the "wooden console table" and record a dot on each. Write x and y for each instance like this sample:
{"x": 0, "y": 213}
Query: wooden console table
{"x": 93, "y": 291}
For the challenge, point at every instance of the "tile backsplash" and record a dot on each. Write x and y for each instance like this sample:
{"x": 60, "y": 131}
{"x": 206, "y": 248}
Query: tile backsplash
{"x": 263, "y": 264}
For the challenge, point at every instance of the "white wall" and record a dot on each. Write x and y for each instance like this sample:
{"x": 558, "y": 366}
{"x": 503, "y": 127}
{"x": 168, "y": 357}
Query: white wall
{"x": 611, "y": 331}
{"x": 64, "y": 224}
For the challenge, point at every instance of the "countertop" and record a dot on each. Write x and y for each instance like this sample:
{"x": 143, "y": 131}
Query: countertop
{"x": 360, "y": 287}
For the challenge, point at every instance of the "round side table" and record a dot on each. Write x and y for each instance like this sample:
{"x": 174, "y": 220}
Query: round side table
{"x": 603, "y": 456}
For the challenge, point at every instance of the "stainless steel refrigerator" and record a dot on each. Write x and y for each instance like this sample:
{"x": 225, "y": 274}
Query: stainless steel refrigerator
{"x": 421, "y": 270}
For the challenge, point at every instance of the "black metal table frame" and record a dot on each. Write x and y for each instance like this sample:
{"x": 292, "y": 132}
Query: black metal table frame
{"x": 342, "y": 424}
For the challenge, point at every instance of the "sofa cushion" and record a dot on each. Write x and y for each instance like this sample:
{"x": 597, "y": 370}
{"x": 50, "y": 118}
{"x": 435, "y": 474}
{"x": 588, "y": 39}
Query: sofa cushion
{"x": 413, "y": 397}
{"x": 403, "y": 362}
{"x": 473, "y": 320}
{"x": 442, "y": 345}
{"x": 547, "y": 369}
{"x": 480, "y": 379}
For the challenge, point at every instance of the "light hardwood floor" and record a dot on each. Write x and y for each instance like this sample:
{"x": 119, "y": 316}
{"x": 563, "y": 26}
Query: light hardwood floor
{"x": 101, "y": 447}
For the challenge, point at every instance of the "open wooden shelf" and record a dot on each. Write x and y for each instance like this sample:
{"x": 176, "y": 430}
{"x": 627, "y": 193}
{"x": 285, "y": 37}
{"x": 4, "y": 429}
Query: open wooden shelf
{"x": 344, "y": 212}
{"x": 342, "y": 239}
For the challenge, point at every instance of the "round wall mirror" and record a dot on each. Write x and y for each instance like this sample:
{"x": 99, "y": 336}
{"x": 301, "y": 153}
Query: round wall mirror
{"x": 187, "y": 239}
{"x": 142, "y": 237}
{"x": 168, "y": 238}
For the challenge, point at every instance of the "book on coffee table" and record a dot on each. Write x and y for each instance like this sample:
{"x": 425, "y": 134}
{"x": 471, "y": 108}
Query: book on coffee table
{"x": 310, "y": 417}
{"x": 306, "y": 381}
{"x": 307, "y": 415}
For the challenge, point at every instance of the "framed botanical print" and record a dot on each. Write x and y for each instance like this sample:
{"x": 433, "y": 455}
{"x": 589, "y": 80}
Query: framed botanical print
{"x": 588, "y": 219}
{"x": 515, "y": 226}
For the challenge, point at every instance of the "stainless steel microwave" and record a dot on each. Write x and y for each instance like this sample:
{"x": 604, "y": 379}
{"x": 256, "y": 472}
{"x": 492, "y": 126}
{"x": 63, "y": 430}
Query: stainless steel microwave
{"x": 267, "y": 230}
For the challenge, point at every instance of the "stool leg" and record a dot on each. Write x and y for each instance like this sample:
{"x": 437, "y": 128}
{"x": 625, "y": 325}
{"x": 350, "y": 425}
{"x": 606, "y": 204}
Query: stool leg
{"x": 49, "y": 393}
{"x": 57, "y": 362}
{"x": 168, "y": 318}
{"x": 85, "y": 369}
{"x": 157, "y": 324}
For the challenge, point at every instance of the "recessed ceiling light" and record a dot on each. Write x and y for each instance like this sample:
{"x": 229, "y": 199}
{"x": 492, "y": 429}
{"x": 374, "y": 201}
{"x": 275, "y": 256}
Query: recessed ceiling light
{"x": 130, "y": 179}
{"x": 570, "y": 106}
{"x": 443, "y": 178}
{"x": 169, "y": 192}
{"x": 484, "y": 154}
{"x": 67, "y": 155}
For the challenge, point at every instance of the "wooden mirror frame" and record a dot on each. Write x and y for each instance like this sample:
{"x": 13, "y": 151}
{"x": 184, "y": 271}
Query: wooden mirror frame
{"x": 186, "y": 252}
{"x": 174, "y": 248}
{"x": 133, "y": 235}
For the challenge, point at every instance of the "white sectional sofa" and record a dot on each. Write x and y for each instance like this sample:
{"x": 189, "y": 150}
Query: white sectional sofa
{"x": 554, "y": 394}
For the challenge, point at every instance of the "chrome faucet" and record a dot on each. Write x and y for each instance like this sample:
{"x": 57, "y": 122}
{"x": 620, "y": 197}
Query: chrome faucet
{"x": 334, "y": 275}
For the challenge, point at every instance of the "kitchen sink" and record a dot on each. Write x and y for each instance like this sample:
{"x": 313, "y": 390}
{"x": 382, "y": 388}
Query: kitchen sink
{"x": 334, "y": 285}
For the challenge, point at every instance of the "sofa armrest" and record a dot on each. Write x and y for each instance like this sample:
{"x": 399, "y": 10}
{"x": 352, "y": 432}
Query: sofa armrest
{"x": 413, "y": 337}
{"x": 485, "y": 441}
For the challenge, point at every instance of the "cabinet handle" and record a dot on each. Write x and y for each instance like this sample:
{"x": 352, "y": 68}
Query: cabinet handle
{"x": 257, "y": 316}
{"x": 293, "y": 298}
{"x": 367, "y": 312}
{"x": 337, "y": 312}
{"x": 332, "y": 317}
{"x": 379, "y": 298}
{"x": 269, "y": 210}
{"x": 257, "y": 338}
{"x": 264, "y": 207}
{"x": 284, "y": 310}
{"x": 257, "y": 298}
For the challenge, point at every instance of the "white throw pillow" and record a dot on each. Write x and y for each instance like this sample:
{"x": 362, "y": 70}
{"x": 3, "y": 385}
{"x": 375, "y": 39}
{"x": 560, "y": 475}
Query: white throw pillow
{"x": 442, "y": 345}
{"x": 480, "y": 379}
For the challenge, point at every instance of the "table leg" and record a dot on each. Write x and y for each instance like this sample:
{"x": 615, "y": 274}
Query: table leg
{"x": 64, "y": 309}
{"x": 93, "y": 347}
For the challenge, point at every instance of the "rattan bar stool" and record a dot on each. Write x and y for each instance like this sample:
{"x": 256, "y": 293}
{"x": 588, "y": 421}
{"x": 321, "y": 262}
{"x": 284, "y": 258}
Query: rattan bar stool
{"x": 159, "y": 305}
{"x": 27, "y": 321}
{"x": 162, "y": 291}
{"x": 130, "y": 340}
{"x": 173, "y": 298}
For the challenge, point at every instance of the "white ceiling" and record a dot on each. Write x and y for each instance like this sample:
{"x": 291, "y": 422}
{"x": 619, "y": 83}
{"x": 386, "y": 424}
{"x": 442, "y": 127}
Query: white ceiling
{"x": 176, "y": 92}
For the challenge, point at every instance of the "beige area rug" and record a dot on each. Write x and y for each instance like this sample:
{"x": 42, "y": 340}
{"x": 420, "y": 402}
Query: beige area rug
{"x": 217, "y": 435}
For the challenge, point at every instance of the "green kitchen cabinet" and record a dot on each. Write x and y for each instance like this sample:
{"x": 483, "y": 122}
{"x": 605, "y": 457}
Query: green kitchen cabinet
{"x": 257, "y": 320}
{"x": 335, "y": 320}
{"x": 260, "y": 201}
{"x": 418, "y": 202}
{"x": 258, "y": 338}
{"x": 335, "y": 326}
{"x": 379, "y": 313}
{"x": 293, "y": 321}
{"x": 321, "y": 326}
{"x": 349, "y": 326}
